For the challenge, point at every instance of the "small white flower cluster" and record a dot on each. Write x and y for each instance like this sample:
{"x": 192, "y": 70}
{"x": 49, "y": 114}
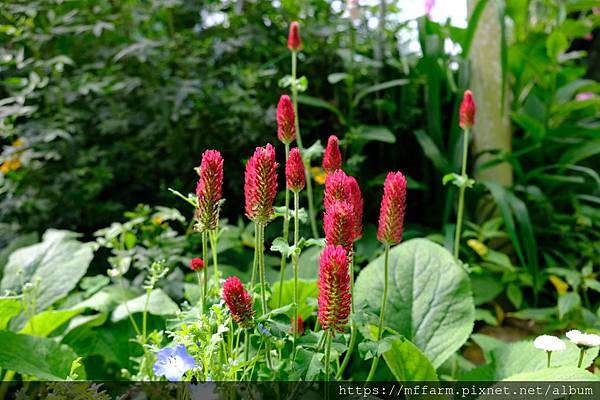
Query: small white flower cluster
{"x": 552, "y": 343}
{"x": 549, "y": 343}
{"x": 583, "y": 339}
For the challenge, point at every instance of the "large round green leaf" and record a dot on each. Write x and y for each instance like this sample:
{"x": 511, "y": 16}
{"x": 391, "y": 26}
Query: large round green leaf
{"x": 429, "y": 297}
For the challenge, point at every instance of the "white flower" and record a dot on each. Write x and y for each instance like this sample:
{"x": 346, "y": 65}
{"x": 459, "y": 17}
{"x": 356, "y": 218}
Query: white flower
{"x": 549, "y": 343}
{"x": 583, "y": 339}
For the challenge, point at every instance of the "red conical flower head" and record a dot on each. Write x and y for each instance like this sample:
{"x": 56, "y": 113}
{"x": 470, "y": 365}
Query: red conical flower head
{"x": 334, "y": 289}
{"x": 294, "y": 171}
{"x": 357, "y": 207}
{"x": 294, "y": 43}
{"x": 393, "y": 205}
{"x": 260, "y": 186}
{"x": 209, "y": 190}
{"x": 239, "y": 301}
{"x": 197, "y": 264}
{"x": 332, "y": 160}
{"x": 286, "y": 120}
{"x": 336, "y": 188}
{"x": 467, "y": 111}
{"x": 339, "y": 225}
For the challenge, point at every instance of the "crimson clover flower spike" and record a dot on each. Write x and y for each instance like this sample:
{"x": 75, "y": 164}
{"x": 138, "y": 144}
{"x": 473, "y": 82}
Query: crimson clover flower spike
{"x": 334, "y": 298}
{"x": 467, "y": 111}
{"x": 332, "y": 160}
{"x": 339, "y": 225}
{"x": 209, "y": 190}
{"x": 393, "y": 206}
{"x": 197, "y": 264}
{"x": 294, "y": 171}
{"x": 260, "y": 187}
{"x": 336, "y": 188}
{"x": 238, "y": 301}
{"x": 286, "y": 127}
{"x": 294, "y": 43}
{"x": 357, "y": 206}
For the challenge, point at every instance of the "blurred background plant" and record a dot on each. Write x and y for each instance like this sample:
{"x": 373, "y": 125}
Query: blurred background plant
{"x": 105, "y": 105}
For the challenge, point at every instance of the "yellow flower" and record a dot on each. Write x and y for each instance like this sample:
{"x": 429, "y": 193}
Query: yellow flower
{"x": 319, "y": 175}
{"x": 18, "y": 142}
{"x": 157, "y": 220}
{"x": 560, "y": 285}
{"x": 478, "y": 247}
{"x": 10, "y": 165}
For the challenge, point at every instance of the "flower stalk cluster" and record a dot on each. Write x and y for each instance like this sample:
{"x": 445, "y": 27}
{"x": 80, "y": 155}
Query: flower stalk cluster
{"x": 466, "y": 121}
{"x": 209, "y": 191}
{"x": 389, "y": 232}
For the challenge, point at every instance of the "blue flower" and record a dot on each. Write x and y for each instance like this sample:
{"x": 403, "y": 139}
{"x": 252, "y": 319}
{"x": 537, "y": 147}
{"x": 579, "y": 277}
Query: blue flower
{"x": 173, "y": 363}
{"x": 262, "y": 330}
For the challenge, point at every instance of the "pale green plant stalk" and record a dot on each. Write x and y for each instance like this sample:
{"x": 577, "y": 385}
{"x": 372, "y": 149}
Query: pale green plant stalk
{"x": 145, "y": 314}
{"x": 352, "y": 327}
{"x": 295, "y": 261}
{"x": 461, "y": 194}
{"x": 286, "y": 229}
{"x": 309, "y": 193}
{"x": 213, "y": 246}
{"x": 205, "y": 274}
{"x": 581, "y": 354}
{"x": 382, "y": 313}
{"x": 255, "y": 261}
{"x": 327, "y": 355}
{"x": 263, "y": 283}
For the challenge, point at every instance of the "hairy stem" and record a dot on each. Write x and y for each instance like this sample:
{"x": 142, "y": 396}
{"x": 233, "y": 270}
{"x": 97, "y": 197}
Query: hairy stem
{"x": 309, "y": 193}
{"x": 581, "y": 354}
{"x": 295, "y": 261}
{"x": 461, "y": 195}
{"x": 286, "y": 230}
{"x": 327, "y": 355}
{"x": 205, "y": 274}
{"x": 352, "y": 327}
{"x": 382, "y": 313}
{"x": 213, "y": 247}
{"x": 255, "y": 261}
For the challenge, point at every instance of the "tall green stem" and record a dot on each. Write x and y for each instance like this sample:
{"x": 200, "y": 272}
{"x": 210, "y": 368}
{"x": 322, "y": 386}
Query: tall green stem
{"x": 286, "y": 230}
{"x": 255, "y": 261}
{"x": 352, "y": 327}
{"x": 133, "y": 323}
{"x": 382, "y": 313}
{"x": 549, "y": 353}
{"x": 461, "y": 195}
{"x": 327, "y": 355}
{"x": 263, "y": 284}
{"x": 145, "y": 314}
{"x": 581, "y": 354}
{"x": 261, "y": 268}
{"x": 213, "y": 247}
{"x": 295, "y": 261}
{"x": 205, "y": 274}
{"x": 309, "y": 193}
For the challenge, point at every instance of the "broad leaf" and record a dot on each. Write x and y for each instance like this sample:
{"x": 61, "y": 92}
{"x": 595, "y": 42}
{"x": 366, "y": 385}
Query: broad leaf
{"x": 158, "y": 304}
{"x": 9, "y": 307}
{"x": 521, "y": 357}
{"x": 306, "y": 290}
{"x": 407, "y": 362}
{"x": 556, "y": 374}
{"x": 31, "y": 355}
{"x": 429, "y": 298}
{"x": 46, "y": 322}
{"x": 57, "y": 264}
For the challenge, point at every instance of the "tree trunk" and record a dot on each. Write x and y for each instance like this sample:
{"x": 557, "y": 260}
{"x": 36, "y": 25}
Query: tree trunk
{"x": 492, "y": 122}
